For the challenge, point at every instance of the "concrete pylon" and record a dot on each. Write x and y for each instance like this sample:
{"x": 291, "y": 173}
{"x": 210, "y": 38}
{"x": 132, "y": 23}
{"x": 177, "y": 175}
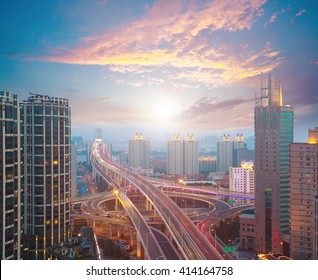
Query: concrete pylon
{"x": 139, "y": 248}
{"x": 131, "y": 235}
{"x": 110, "y": 230}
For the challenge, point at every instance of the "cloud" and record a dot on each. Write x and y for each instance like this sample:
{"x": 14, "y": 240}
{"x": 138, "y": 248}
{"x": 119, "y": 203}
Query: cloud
{"x": 275, "y": 15}
{"x": 213, "y": 114}
{"x": 69, "y": 91}
{"x": 104, "y": 111}
{"x": 306, "y": 110}
{"x": 106, "y": 99}
{"x": 178, "y": 35}
{"x": 314, "y": 62}
{"x": 273, "y": 18}
{"x": 300, "y": 13}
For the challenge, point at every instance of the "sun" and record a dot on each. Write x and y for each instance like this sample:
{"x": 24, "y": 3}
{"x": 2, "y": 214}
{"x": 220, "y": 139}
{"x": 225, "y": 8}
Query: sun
{"x": 166, "y": 112}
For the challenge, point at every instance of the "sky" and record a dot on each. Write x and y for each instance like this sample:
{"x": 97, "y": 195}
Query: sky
{"x": 159, "y": 67}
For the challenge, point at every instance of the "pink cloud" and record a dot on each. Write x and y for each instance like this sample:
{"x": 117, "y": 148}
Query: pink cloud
{"x": 168, "y": 35}
{"x": 273, "y": 18}
{"x": 206, "y": 113}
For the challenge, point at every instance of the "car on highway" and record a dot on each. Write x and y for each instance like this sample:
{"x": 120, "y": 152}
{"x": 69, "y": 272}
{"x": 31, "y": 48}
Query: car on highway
{"x": 108, "y": 215}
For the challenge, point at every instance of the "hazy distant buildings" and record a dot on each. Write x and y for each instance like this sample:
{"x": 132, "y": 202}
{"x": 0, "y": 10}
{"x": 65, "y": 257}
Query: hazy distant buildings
{"x": 207, "y": 164}
{"x": 47, "y": 151}
{"x": 239, "y": 143}
{"x": 242, "y": 179}
{"x": 183, "y": 155}
{"x": 79, "y": 142}
{"x": 274, "y": 128}
{"x": 240, "y": 151}
{"x": 232, "y": 152}
{"x": 89, "y": 144}
{"x": 303, "y": 189}
{"x": 98, "y": 134}
{"x": 139, "y": 152}
{"x": 242, "y": 155}
{"x": 191, "y": 155}
{"x": 11, "y": 177}
{"x": 175, "y": 155}
{"x": 224, "y": 154}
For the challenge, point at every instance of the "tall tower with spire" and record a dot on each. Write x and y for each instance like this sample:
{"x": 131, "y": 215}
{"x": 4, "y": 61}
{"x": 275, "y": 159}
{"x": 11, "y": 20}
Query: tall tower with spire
{"x": 274, "y": 129}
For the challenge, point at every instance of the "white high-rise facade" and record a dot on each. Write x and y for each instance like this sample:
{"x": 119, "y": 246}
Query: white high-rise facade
{"x": 242, "y": 179}
{"x": 191, "y": 155}
{"x": 139, "y": 152}
{"x": 175, "y": 155}
{"x": 224, "y": 154}
{"x": 183, "y": 155}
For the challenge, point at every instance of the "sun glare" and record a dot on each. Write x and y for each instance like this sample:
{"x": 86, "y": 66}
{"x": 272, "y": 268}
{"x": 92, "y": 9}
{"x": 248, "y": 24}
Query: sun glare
{"x": 166, "y": 112}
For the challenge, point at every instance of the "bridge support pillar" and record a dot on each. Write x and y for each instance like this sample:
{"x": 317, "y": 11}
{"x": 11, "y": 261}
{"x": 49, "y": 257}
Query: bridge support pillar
{"x": 118, "y": 230}
{"x": 131, "y": 235}
{"x": 110, "y": 230}
{"x": 138, "y": 248}
{"x": 116, "y": 205}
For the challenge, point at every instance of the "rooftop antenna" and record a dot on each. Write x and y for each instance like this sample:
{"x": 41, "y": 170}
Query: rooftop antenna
{"x": 263, "y": 96}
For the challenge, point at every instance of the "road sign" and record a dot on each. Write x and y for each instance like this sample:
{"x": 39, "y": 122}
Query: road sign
{"x": 229, "y": 249}
{"x": 231, "y": 201}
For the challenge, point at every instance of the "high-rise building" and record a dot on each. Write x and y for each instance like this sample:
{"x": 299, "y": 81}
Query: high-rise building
{"x": 224, "y": 154}
{"x": 11, "y": 177}
{"x": 243, "y": 155}
{"x": 315, "y": 244}
{"x": 239, "y": 142}
{"x": 207, "y": 164}
{"x": 274, "y": 129}
{"x": 73, "y": 170}
{"x": 242, "y": 179}
{"x": 98, "y": 134}
{"x": 303, "y": 189}
{"x": 191, "y": 155}
{"x": 79, "y": 142}
{"x": 89, "y": 144}
{"x": 139, "y": 152}
{"x": 47, "y": 180}
{"x": 240, "y": 151}
{"x": 175, "y": 155}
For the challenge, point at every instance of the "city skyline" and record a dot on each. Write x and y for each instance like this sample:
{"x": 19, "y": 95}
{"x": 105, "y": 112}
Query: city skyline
{"x": 161, "y": 67}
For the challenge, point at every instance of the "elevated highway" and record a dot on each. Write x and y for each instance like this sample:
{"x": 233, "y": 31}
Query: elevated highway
{"x": 189, "y": 239}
